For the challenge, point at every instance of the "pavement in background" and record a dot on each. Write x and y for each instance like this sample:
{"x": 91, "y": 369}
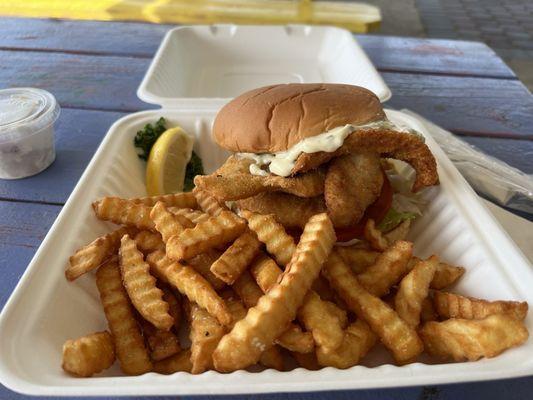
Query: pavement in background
{"x": 504, "y": 25}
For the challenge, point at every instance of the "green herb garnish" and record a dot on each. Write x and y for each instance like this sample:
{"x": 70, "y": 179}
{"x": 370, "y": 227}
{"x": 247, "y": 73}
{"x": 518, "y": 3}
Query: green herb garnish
{"x": 146, "y": 137}
{"x": 194, "y": 167}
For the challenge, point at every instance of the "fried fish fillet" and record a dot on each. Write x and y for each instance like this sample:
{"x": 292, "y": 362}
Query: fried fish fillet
{"x": 233, "y": 181}
{"x": 353, "y": 182}
{"x": 387, "y": 143}
{"x": 290, "y": 211}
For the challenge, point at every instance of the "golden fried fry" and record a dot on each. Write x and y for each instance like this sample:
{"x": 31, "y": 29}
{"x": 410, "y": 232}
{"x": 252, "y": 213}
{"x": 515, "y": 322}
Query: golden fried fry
{"x": 196, "y": 216}
{"x": 167, "y": 223}
{"x": 180, "y": 362}
{"x": 227, "y": 184}
{"x": 205, "y": 334}
{"x": 322, "y": 288}
{"x": 278, "y": 243}
{"x": 323, "y": 319}
{"x": 174, "y": 305}
{"x": 293, "y": 338}
{"x": 162, "y": 344}
{"x": 146, "y": 297}
{"x": 271, "y": 358}
{"x": 449, "y": 305}
{"x": 307, "y": 360}
{"x": 88, "y": 355}
{"x": 95, "y": 253}
{"x": 202, "y": 263}
{"x": 353, "y": 182}
{"x": 395, "y": 334}
{"x": 428, "y": 312}
{"x": 356, "y": 258}
{"x": 181, "y": 200}
{"x": 414, "y": 289}
{"x": 124, "y": 212}
{"x": 446, "y": 275}
{"x": 357, "y": 342}
{"x": 290, "y": 211}
{"x": 398, "y": 233}
{"x": 388, "y": 269}
{"x": 270, "y": 317}
{"x": 386, "y": 142}
{"x": 375, "y": 237}
{"x": 326, "y": 325}
{"x": 463, "y": 339}
{"x": 208, "y": 203}
{"x": 236, "y": 258}
{"x": 127, "y": 338}
{"x": 189, "y": 283}
{"x": 147, "y": 241}
{"x": 214, "y": 232}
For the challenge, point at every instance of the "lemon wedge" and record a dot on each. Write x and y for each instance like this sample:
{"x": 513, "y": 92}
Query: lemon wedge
{"x": 165, "y": 170}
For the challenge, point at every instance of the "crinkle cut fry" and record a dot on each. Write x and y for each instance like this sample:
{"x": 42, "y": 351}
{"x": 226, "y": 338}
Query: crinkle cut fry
{"x": 234, "y": 261}
{"x": 202, "y": 264}
{"x": 414, "y": 289}
{"x": 356, "y": 258}
{"x": 205, "y": 333}
{"x": 278, "y": 243}
{"x": 395, "y": 334}
{"x": 271, "y": 357}
{"x": 389, "y": 144}
{"x": 464, "y": 339}
{"x": 375, "y": 237}
{"x": 293, "y": 338}
{"x": 162, "y": 344}
{"x": 208, "y": 203}
{"x": 196, "y": 216}
{"x": 189, "y": 283}
{"x": 389, "y": 268}
{"x": 129, "y": 343}
{"x": 325, "y": 324}
{"x": 89, "y": 354}
{"x": 180, "y": 362}
{"x": 450, "y": 305}
{"x": 263, "y": 323}
{"x": 148, "y": 241}
{"x": 167, "y": 223}
{"x": 124, "y": 212}
{"x": 214, "y": 232}
{"x": 141, "y": 287}
{"x": 181, "y": 200}
{"x": 357, "y": 342}
{"x": 95, "y": 253}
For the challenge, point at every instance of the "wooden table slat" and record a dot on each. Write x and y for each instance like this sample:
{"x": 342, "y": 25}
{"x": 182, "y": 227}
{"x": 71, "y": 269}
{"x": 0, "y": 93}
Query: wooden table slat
{"x": 479, "y": 106}
{"x": 141, "y": 40}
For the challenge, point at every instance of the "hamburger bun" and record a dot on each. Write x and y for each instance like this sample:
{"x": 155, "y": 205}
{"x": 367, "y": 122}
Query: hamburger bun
{"x": 275, "y": 118}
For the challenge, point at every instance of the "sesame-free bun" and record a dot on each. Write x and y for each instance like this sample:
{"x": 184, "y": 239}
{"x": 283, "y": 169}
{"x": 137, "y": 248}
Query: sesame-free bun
{"x": 274, "y": 118}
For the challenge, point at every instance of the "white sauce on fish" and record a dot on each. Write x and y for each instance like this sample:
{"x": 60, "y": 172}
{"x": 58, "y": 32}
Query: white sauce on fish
{"x": 282, "y": 163}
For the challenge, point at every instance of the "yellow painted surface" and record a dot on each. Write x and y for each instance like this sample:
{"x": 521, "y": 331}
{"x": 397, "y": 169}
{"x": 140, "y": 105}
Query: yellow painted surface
{"x": 356, "y": 17}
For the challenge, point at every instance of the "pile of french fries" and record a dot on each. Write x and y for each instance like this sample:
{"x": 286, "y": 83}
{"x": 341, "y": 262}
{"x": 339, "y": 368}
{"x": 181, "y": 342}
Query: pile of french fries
{"x": 246, "y": 292}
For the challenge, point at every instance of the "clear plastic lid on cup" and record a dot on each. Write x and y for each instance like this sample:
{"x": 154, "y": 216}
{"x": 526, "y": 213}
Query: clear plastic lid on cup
{"x": 27, "y": 118}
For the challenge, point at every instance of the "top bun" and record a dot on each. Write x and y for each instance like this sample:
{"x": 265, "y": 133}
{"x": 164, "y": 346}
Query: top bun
{"x": 275, "y": 118}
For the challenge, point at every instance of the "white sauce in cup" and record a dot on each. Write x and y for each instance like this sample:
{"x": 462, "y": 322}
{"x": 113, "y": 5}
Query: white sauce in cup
{"x": 27, "y": 118}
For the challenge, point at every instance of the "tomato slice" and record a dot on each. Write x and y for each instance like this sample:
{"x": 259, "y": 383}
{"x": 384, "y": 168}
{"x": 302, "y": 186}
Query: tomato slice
{"x": 376, "y": 211}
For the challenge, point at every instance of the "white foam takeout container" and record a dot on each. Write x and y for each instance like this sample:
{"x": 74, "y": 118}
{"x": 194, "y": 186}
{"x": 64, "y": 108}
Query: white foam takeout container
{"x": 45, "y": 309}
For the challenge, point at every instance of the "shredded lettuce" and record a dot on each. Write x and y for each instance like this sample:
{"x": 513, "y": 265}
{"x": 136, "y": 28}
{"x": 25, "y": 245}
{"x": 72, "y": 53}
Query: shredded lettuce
{"x": 394, "y": 218}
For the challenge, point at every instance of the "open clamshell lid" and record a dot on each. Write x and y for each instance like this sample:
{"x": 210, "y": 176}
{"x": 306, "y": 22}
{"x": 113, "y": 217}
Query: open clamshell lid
{"x": 205, "y": 66}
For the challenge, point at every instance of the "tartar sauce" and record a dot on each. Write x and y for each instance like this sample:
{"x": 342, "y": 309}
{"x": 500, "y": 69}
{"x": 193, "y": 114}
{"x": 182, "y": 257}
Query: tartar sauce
{"x": 282, "y": 163}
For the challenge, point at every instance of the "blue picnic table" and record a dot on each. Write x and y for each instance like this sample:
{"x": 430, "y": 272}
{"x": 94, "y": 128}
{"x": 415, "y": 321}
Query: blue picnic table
{"x": 94, "y": 68}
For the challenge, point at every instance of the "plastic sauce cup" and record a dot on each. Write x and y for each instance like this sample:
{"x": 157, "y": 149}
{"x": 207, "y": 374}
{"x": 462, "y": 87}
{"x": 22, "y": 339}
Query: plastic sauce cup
{"x": 27, "y": 118}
